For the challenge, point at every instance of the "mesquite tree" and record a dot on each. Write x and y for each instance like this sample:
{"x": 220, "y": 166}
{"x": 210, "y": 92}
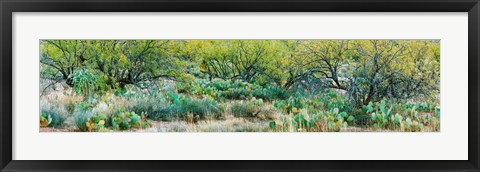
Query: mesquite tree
{"x": 366, "y": 70}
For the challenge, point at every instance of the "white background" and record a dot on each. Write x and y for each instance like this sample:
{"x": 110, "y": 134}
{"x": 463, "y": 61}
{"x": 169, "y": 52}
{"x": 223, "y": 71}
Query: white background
{"x": 450, "y": 143}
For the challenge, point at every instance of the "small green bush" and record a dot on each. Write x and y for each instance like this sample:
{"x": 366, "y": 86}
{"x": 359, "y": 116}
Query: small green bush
{"x": 247, "y": 108}
{"x": 244, "y": 109}
{"x": 332, "y": 121}
{"x": 84, "y": 82}
{"x": 155, "y": 106}
{"x": 127, "y": 120}
{"x": 291, "y": 105}
{"x": 200, "y": 107}
{"x": 270, "y": 93}
{"x": 171, "y": 106}
{"x": 164, "y": 112}
{"x": 221, "y": 90}
{"x": 88, "y": 121}
{"x": 404, "y": 117}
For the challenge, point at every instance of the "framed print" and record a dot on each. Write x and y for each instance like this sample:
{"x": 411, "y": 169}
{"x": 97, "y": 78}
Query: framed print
{"x": 157, "y": 85}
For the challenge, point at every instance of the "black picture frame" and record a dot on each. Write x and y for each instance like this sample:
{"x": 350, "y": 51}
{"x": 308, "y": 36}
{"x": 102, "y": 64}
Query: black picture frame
{"x": 9, "y": 6}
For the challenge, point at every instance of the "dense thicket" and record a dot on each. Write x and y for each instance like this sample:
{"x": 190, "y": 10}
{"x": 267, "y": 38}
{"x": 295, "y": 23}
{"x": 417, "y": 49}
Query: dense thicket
{"x": 366, "y": 70}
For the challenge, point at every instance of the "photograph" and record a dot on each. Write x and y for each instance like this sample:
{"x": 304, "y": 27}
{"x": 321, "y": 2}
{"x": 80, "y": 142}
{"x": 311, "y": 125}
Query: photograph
{"x": 342, "y": 85}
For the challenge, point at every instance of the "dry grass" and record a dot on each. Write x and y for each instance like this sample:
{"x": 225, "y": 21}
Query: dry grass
{"x": 57, "y": 98}
{"x": 230, "y": 124}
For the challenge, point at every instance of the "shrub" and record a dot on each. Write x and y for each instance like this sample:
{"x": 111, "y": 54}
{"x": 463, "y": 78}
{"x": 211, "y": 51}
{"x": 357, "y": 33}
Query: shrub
{"x": 267, "y": 112}
{"x": 291, "y": 105}
{"x": 88, "y": 121}
{"x": 87, "y": 104}
{"x": 247, "y": 108}
{"x": 155, "y": 106}
{"x": 244, "y": 109}
{"x": 227, "y": 89}
{"x": 336, "y": 120}
{"x": 185, "y": 106}
{"x": 127, "y": 120}
{"x": 270, "y": 93}
{"x": 403, "y": 117}
{"x": 164, "y": 112}
{"x": 172, "y": 106}
{"x": 237, "y": 93}
{"x": 329, "y": 100}
{"x": 302, "y": 122}
{"x": 200, "y": 107}
{"x": 362, "y": 120}
{"x": 84, "y": 82}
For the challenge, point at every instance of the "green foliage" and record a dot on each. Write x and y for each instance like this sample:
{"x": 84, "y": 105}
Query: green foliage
{"x": 383, "y": 116}
{"x": 45, "y": 119}
{"x": 88, "y": 121}
{"x": 127, "y": 120}
{"x": 155, "y": 105}
{"x": 313, "y": 85}
{"x": 321, "y": 102}
{"x": 399, "y": 69}
{"x": 115, "y": 63}
{"x": 332, "y": 121}
{"x": 272, "y": 124}
{"x": 222, "y": 90}
{"x": 87, "y": 104}
{"x": 291, "y": 105}
{"x": 51, "y": 118}
{"x": 237, "y": 59}
{"x": 247, "y": 108}
{"x": 171, "y": 106}
{"x": 60, "y": 58}
{"x": 174, "y": 105}
{"x": 406, "y": 118}
{"x": 368, "y": 70}
{"x": 84, "y": 82}
{"x": 202, "y": 108}
{"x": 337, "y": 120}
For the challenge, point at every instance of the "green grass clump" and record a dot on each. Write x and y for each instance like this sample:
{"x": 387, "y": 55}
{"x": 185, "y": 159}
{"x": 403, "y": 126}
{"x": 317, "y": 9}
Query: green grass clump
{"x": 164, "y": 112}
{"x": 200, "y": 107}
{"x": 155, "y": 106}
{"x": 247, "y": 108}
{"x": 244, "y": 109}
